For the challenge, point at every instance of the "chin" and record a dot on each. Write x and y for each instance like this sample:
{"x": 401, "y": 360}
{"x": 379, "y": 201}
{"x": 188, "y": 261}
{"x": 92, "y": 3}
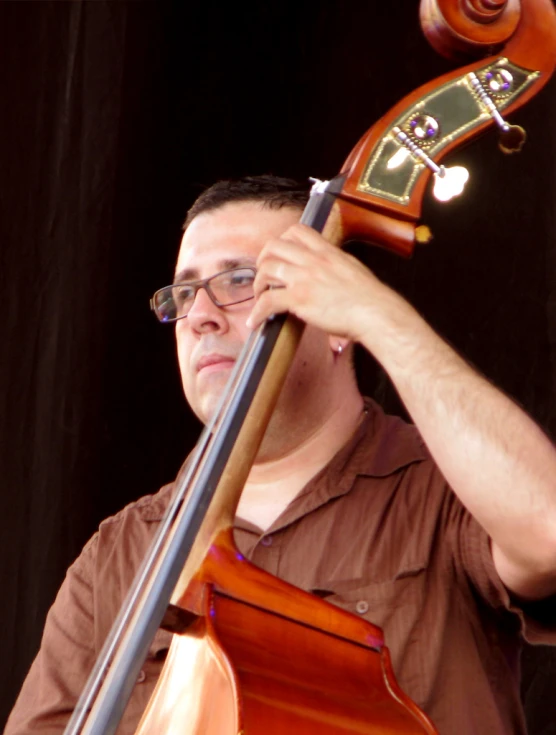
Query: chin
{"x": 207, "y": 409}
{"x": 209, "y": 398}
{"x": 204, "y": 402}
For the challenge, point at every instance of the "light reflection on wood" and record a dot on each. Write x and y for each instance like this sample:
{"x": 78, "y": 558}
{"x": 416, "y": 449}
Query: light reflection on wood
{"x": 196, "y": 693}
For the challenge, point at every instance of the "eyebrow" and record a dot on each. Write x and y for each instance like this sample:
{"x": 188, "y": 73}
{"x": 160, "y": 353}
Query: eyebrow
{"x": 193, "y": 274}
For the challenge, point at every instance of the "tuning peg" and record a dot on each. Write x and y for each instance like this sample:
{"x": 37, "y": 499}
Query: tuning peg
{"x": 449, "y": 182}
{"x": 512, "y": 137}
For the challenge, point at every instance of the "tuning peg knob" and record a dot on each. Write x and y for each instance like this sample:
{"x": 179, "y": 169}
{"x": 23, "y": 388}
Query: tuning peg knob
{"x": 512, "y": 139}
{"x": 449, "y": 182}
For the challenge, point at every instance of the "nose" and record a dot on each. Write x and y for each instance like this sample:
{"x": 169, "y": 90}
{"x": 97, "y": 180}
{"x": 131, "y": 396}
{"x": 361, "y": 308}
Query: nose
{"x": 205, "y": 316}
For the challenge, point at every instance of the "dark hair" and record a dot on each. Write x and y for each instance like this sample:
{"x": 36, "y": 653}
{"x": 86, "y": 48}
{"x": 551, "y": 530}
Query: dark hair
{"x": 274, "y": 192}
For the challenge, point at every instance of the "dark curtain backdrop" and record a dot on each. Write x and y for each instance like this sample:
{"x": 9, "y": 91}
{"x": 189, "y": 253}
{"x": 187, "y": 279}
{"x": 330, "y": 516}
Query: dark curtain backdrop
{"x": 114, "y": 115}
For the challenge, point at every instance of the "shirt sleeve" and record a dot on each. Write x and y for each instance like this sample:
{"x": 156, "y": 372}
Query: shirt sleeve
{"x": 65, "y": 658}
{"x": 537, "y": 620}
{"x": 80, "y": 619}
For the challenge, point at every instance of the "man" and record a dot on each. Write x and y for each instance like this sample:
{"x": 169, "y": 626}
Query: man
{"x": 445, "y": 536}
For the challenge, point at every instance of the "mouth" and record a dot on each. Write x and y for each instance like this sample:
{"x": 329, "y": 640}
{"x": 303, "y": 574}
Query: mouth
{"x": 214, "y": 363}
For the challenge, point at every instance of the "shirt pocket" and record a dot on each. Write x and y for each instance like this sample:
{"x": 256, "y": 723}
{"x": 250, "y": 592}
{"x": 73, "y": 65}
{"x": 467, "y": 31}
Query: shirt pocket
{"x": 395, "y": 605}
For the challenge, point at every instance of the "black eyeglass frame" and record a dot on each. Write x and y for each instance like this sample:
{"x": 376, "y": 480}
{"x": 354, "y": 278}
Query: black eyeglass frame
{"x": 197, "y": 285}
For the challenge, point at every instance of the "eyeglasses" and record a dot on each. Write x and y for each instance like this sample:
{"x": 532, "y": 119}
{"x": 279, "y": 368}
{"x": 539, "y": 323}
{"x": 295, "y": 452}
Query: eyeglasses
{"x": 224, "y": 289}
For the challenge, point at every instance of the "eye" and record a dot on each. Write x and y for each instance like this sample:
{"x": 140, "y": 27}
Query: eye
{"x": 242, "y": 278}
{"x": 183, "y": 294}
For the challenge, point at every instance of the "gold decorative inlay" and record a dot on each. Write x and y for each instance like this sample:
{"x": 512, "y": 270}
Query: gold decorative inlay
{"x": 393, "y": 170}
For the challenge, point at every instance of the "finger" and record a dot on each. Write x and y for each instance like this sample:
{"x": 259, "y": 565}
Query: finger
{"x": 307, "y": 236}
{"x": 272, "y": 301}
{"x": 273, "y": 273}
{"x": 296, "y": 244}
{"x": 287, "y": 250}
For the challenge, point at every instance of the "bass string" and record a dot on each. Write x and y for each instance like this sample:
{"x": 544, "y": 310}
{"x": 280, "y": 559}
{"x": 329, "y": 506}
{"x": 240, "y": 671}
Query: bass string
{"x": 106, "y": 694}
{"x": 184, "y": 481}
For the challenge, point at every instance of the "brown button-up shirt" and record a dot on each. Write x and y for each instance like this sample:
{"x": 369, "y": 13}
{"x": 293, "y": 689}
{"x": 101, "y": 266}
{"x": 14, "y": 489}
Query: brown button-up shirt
{"x": 378, "y": 533}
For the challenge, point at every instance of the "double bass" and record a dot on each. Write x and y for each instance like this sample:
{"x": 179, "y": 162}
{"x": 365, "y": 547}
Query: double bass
{"x": 252, "y": 654}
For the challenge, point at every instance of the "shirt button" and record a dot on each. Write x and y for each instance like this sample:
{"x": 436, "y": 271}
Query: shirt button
{"x": 362, "y": 606}
{"x": 141, "y": 678}
{"x": 266, "y": 541}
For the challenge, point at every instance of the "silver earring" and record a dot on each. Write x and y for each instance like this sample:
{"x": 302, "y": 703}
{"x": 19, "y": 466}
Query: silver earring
{"x": 339, "y": 349}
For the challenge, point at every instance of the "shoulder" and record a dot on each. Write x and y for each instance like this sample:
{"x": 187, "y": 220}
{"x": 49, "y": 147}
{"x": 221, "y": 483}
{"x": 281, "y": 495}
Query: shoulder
{"x": 123, "y": 537}
{"x": 135, "y": 525}
{"x": 148, "y": 509}
{"x": 388, "y": 444}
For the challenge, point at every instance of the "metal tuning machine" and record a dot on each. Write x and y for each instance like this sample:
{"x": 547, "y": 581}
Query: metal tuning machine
{"x": 499, "y": 82}
{"x": 449, "y": 182}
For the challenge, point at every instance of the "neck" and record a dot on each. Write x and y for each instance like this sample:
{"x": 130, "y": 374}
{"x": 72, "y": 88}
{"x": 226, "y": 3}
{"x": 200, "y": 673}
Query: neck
{"x": 316, "y": 448}
{"x": 283, "y": 470}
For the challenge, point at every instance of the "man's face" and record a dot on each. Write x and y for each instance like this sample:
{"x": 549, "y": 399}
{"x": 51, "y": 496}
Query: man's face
{"x": 210, "y": 338}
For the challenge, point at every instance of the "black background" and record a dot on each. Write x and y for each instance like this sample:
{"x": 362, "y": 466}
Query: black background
{"x": 114, "y": 117}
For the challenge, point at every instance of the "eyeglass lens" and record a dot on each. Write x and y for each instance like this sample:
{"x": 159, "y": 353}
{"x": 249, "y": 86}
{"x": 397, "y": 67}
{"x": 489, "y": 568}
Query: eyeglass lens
{"x": 230, "y": 287}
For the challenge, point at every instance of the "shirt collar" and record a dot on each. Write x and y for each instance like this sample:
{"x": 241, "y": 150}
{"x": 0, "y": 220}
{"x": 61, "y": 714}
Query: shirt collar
{"x": 380, "y": 446}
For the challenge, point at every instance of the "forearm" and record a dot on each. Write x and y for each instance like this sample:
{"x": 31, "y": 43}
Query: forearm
{"x": 496, "y": 459}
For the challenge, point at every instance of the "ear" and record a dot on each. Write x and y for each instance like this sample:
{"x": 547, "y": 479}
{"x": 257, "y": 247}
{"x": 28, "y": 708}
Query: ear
{"x": 338, "y": 344}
